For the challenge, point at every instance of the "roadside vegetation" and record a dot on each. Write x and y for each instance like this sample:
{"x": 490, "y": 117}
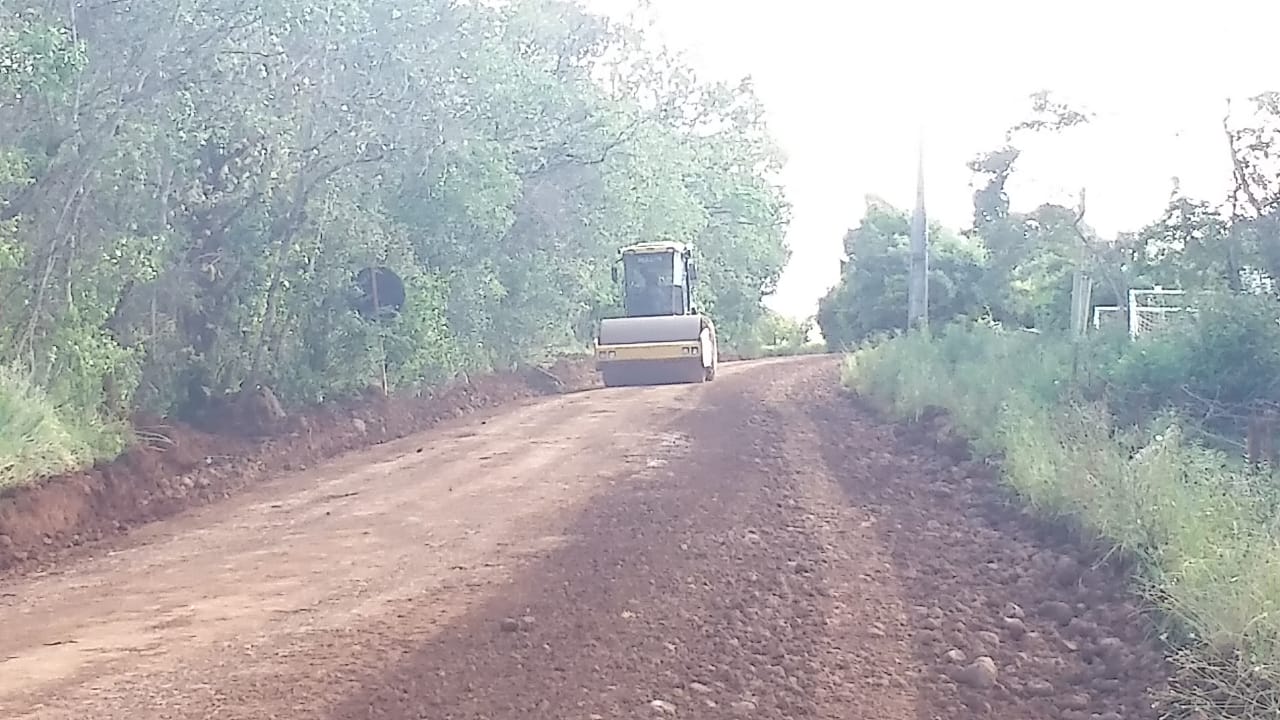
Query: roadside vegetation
{"x": 38, "y": 438}
{"x": 780, "y": 336}
{"x": 190, "y": 190}
{"x": 1157, "y": 446}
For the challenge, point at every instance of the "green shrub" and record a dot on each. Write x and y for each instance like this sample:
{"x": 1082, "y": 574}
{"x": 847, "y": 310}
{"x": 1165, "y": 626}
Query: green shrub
{"x": 1228, "y": 354}
{"x": 37, "y": 440}
{"x": 1202, "y": 527}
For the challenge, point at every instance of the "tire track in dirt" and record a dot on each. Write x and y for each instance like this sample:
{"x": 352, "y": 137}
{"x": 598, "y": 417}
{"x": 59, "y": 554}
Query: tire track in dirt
{"x": 864, "y": 663}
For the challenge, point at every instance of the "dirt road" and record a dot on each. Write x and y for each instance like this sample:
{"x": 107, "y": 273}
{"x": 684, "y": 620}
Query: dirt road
{"x": 755, "y": 547}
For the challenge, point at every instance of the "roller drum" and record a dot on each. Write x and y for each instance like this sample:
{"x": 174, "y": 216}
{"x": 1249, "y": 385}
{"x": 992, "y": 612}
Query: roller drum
{"x": 666, "y": 328}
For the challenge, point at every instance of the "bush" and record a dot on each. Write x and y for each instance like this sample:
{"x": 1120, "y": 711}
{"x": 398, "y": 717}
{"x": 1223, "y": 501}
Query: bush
{"x": 1220, "y": 362}
{"x": 37, "y": 439}
{"x": 1200, "y": 526}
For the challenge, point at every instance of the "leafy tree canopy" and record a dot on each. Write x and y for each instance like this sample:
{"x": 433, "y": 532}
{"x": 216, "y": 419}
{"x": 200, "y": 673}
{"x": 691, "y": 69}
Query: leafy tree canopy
{"x": 188, "y": 188}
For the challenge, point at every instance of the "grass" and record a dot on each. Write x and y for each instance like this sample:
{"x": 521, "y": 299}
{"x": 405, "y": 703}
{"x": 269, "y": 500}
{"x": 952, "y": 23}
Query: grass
{"x": 39, "y": 439}
{"x": 1202, "y": 527}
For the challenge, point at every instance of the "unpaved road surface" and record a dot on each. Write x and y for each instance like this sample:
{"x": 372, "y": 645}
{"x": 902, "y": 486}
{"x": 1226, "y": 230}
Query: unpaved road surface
{"x": 755, "y": 547}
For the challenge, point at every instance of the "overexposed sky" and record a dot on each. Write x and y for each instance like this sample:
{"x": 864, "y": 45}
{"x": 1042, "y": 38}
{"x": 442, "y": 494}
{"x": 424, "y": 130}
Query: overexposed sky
{"x": 847, "y": 84}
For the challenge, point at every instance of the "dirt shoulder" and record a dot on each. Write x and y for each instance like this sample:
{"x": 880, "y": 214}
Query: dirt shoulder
{"x": 1006, "y": 616}
{"x": 181, "y": 467}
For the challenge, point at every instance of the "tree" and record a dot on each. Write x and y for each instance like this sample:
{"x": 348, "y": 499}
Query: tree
{"x": 1184, "y": 248}
{"x": 1252, "y": 245}
{"x": 872, "y": 291}
{"x": 187, "y": 190}
{"x": 776, "y": 330}
{"x": 1032, "y": 256}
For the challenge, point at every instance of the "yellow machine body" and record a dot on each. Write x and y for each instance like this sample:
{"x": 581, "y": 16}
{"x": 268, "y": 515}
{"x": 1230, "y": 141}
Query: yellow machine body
{"x": 660, "y": 338}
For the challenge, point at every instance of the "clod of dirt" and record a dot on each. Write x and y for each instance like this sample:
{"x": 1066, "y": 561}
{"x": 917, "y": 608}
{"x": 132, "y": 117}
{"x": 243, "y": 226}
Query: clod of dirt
{"x": 1015, "y": 627}
{"x": 743, "y": 708}
{"x": 662, "y": 707}
{"x": 988, "y": 638}
{"x": 699, "y": 688}
{"x": 1066, "y": 572}
{"x": 1066, "y": 643}
{"x": 509, "y": 625}
{"x": 1081, "y": 628}
{"x": 955, "y": 655}
{"x": 1111, "y": 650}
{"x": 1074, "y": 701}
{"x": 1057, "y": 611}
{"x": 1012, "y": 610}
{"x": 981, "y": 673}
{"x": 1037, "y": 687}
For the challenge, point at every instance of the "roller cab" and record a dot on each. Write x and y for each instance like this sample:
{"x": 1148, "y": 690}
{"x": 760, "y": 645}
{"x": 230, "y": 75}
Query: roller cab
{"x": 661, "y": 338}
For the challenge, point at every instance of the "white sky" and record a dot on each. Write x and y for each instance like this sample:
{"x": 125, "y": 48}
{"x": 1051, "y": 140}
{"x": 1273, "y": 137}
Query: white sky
{"x": 846, "y": 93}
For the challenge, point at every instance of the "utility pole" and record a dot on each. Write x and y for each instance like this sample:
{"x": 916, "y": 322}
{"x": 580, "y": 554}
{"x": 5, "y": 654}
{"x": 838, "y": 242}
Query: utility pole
{"x": 918, "y": 274}
{"x": 1081, "y": 283}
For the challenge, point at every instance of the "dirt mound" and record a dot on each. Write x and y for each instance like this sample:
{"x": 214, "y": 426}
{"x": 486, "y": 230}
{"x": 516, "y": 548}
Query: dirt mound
{"x": 1009, "y": 617}
{"x": 176, "y": 466}
{"x": 570, "y": 374}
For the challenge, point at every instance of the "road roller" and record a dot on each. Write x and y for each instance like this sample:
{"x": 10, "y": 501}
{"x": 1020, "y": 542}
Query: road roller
{"x": 660, "y": 338}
